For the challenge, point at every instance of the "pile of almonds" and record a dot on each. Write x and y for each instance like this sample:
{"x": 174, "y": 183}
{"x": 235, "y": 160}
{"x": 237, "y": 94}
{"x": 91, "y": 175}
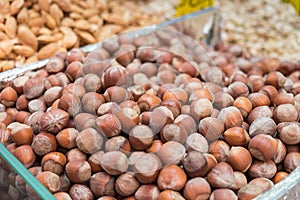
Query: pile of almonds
{"x": 31, "y": 30}
{"x": 264, "y": 27}
{"x": 153, "y": 117}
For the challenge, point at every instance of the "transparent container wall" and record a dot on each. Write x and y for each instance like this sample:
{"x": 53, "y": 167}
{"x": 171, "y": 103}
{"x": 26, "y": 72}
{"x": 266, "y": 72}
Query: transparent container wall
{"x": 16, "y": 182}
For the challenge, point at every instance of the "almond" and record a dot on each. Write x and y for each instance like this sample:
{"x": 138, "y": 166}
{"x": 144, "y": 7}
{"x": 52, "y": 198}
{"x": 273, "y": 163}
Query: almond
{"x": 44, "y": 5}
{"x": 11, "y": 27}
{"x": 70, "y": 38}
{"x": 48, "y": 51}
{"x": 65, "y": 5}
{"x": 46, "y": 39}
{"x": 86, "y": 36}
{"x": 6, "y": 65}
{"x": 27, "y": 37}
{"x": 56, "y": 13}
{"x": 6, "y": 46}
{"x": 15, "y": 6}
{"x": 23, "y": 16}
{"x": 50, "y": 22}
{"x": 23, "y": 50}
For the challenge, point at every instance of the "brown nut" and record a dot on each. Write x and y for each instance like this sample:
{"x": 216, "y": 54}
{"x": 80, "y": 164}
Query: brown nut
{"x": 67, "y": 137}
{"x": 219, "y": 194}
{"x": 44, "y": 143}
{"x": 171, "y": 152}
{"x": 240, "y": 180}
{"x": 70, "y": 103}
{"x": 114, "y": 162}
{"x": 221, "y": 175}
{"x": 261, "y": 111}
{"x": 148, "y": 191}
{"x": 263, "y": 147}
{"x": 129, "y": 118}
{"x": 238, "y": 89}
{"x": 141, "y": 137}
{"x": 197, "y": 188}
{"x": 262, "y": 169}
{"x": 102, "y": 184}
{"x": 50, "y": 180}
{"x": 285, "y": 113}
{"x": 54, "y": 162}
{"x": 146, "y": 168}
{"x": 108, "y": 125}
{"x": 126, "y": 184}
{"x": 171, "y": 177}
{"x": 196, "y": 142}
{"x": 169, "y": 195}
{"x": 21, "y": 133}
{"x": 160, "y": 117}
{"x": 118, "y": 143}
{"x": 279, "y": 176}
{"x": 288, "y": 132}
{"x": 211, "y": 128}
{"x": 172, "y": 132}
{"x": 89, "y": 141}
{"x": 35, "y": 105}
{"x": 78, "y": 171}
{"x": 25, "y": 155}
{"x": 239, "y": 158}
{"x": 219, "y": 149}
{"x": 186, "y": 123}
{"x": 291, "y": 161}
{"x": 54, "y": 120}
{"x": 76, "y": 154}
{"x": 201, "y": 108}
{"x": 116, "y": 76}
{"x": 236, "y": 136}
{"x": 231, "y": 116}
{"x": 262, "y": 125}
{"x": 94, "y": 161}
{"x": 148, "y": 102}
{"x": 62, "y": 196}
{"x": 84, "y": 120}
{"x": 81, "y": 192}
{"x": 34, "y": 87}
{"x": 8, "y": 96}
{"x": 195, "y": 164}
{"x": 259, "y": 99}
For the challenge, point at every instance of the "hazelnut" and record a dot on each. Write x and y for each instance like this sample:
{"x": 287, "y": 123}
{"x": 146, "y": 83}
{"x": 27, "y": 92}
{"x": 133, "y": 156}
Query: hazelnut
{"x": 171, "y": 177}
{"x": 169, "y": 195}
{"x": 276, "y": 79}
{"x": 81, "y": 192}
{"x": 44, "y": 143}
{"x": 5, "y": 135}
{"x": 262, "y": 169}
{"x": 78, "y": 171}
{"x": 54, "y": 162}
{"x": 195, "y": 164}
{"x": 89, "y": 141}
{"x": 200, "y": 109}
{"x": 186, "y": 123}
{"x": 244, "y": 105}
{"x": 211, "y": 128}
{"x": 239, "y": 158}
{"x": 25, "y": 155}
{"x": 62, "y": 196}
{"x": 8, "y": 96}
{"x": 171, "y": 152}
{"x": 219, "y": 194}
{"x": 84, "y": 120}
{"x": 126, "y": 184}
{"x": 114, "y": 162}
{"x": 176, "y": 93}
{"x": 116, "y": 94}
{"x": 54, "y": 120}
{"x": 236, "y": 136}
{"x": 201, "y": 93}
{"x": 159, "y": 117}
{"x": 174, "y": 105}
{"x": 70, "y": 103}
{"x": 222, "y": 100}
{"x": 18, "y": 83}
{"x": 155, "y": 146}
{"x": 74, "y": 70}
{"x": 263, "y": 147}
{"x": 148, "y": 191}
{"x": 91, "y": 83}
{"x": 279, "y": 176}
{"x": 288, "y": 132}
{"x": 108, "y": 108}
{"x": 50, "y": 180}
{"x": 148, "y": 102}
{"x": 36, "y": 105}
{"x": 118, "y": 143}
{"x": 219, "y": 149}
{"x": 172, "y": 132}
{"x": 249, "y": 191}
{"x": 281, "y": 152}
{"x": 21, "y": 116}
{"x": 237, "y": 89}
{"x": 130, "y": 104}
{"x": 76, "y": 154}
{"x": 231, "y": 116}
{"x": 270, "y": 91}
{"x": 259, "y": 99}
{"x": 146, "y": 168}
{"x": 67, "y": 138}
{"x": 102, "y": 184}
{"x": 22, "y": 103}
{"x": 6, "y": 118}
{"x": 34, "y": 87}
{"x": 261, "y": 111}
{"x": 21, "y": 133}
{"x": 116, "y": 76}
{"x": 196, "y": 188}
{"x": 283, "y": 98}
{"x": 196, "y": 142}
{"x": 262, "y": 125}
{"x": 291, "y": 161}
{"x": 240, "y": 180}
{"x": 65, "y": 183}
{"x": 285, "y": 113}
{"x": 94, "y": 161}
{"x": 221, "y": 176}
{"x": 108, "y": 125}
{"x": 129, "y": 118}
{"x": 264, "y": 183}
{"x": 91, "y": 101}
{"x": 75, "y": 89}
{"x": 141, "y": 137}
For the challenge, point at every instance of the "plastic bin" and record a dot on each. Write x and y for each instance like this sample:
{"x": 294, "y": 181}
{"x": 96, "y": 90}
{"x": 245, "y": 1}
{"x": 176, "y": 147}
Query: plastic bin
{"x": 191, "y": 25}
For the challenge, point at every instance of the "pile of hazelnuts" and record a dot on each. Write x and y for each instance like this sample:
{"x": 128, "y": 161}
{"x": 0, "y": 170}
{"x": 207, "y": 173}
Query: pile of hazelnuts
{"x": 156, "y": 116}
